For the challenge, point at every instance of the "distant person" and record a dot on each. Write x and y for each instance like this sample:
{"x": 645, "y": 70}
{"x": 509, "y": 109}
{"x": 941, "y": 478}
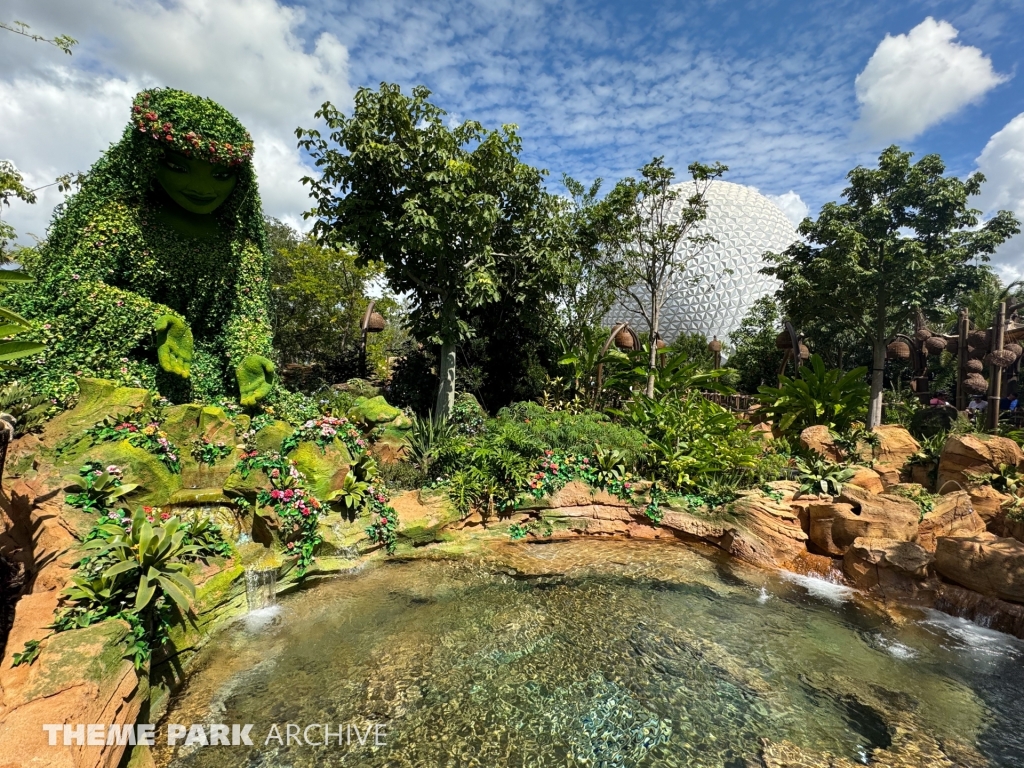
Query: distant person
{"x": 938, "y": 401}
{"x": 977, "y": 405}
{"x": 1014, "y": 404}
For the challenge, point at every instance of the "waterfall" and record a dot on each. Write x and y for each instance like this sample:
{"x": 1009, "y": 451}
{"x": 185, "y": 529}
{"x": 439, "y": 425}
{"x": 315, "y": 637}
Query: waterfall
{"x": 260, "y": 587}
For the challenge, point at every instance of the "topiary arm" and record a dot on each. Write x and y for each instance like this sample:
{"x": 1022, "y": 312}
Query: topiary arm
{"x": 248, "y": 334}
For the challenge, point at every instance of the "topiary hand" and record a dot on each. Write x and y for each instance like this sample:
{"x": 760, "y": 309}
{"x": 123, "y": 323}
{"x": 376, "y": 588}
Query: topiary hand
{"x": 174, "y": 345}
{"x": 255, "y": 379}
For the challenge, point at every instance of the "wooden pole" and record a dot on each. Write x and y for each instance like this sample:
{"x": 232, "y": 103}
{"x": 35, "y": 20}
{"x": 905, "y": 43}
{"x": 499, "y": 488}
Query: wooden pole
{"x": 995, "y": 383}
{"x": 961, "y": 359}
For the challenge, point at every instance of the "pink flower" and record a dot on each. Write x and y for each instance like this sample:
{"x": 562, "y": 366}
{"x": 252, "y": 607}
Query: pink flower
{"x": 288, "y": 494}
{"x": 276, "y": 494}
{"x": 275, "y": 473}
{"x": 384, "y": 520}
{"x": 291, "y": 545}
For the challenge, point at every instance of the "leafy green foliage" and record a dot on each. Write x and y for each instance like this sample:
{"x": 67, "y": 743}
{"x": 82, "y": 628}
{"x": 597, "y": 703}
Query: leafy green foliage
{"x": 206, "y": 452}
{"x": 27, "y": 409}
{"x": 755, "y": 356}
{"x": 29, "y": 654}
{"x": 816, "y": 396}
{"x": 318, "y": 297}
{"x": 97, "y": 488}
{"x": 691, "y": 439}
{"x": 819, "y": 476}
{"x": 11, "y": 323}
{"x": 150, "y": 554}
{"x": 204, "y": 537}
{"x": 1006, "y": 479}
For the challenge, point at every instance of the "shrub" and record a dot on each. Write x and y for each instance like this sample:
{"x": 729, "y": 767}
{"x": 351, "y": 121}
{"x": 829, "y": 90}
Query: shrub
{"x": 817, "y": 396}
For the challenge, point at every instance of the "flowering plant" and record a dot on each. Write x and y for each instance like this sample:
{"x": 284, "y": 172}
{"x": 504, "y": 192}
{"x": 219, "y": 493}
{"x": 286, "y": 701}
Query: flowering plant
{"x": 141, "y": 429}
{"x": 296, "y": 508}
{"x": 323, "y": 430}
{"x": 206, "y": 452}
{"x": 98, "y": 487}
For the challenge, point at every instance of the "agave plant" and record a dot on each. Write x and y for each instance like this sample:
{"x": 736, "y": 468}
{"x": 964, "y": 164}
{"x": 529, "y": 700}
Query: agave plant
{"x": 153, "y": 553}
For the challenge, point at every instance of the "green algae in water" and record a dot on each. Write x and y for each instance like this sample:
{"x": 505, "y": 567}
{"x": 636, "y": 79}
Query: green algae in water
{"x": 600, "y": 654}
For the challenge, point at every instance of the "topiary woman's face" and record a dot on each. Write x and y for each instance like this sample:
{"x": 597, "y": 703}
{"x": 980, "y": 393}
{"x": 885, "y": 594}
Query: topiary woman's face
{"x": 196, "y": 185}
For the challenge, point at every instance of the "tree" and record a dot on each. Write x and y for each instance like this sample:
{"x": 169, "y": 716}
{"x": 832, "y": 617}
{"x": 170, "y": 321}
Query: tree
{"x": 318, "y": 297}
{"x": 451, "y": 211}
{"x": 12, "y": 185}
{"x": 755, "y": 355}
{"x": 652, "y": 239}
{"x": 585, "y": 290}
{"x": 904, "y": 239}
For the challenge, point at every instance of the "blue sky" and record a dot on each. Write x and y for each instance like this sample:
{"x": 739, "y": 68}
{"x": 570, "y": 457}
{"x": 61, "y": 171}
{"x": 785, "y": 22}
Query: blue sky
{"x": 790, "y": 95}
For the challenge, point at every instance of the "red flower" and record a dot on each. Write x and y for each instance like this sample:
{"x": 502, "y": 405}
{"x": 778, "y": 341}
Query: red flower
{"x": 288, "y": 494}
{"x": 384, "y": 520}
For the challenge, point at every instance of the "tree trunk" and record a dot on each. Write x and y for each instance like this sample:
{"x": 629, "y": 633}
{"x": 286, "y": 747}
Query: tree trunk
{"x": 877, "y": 381}
{"x": 653, "y": 361}
{"x": 446, "y": 392}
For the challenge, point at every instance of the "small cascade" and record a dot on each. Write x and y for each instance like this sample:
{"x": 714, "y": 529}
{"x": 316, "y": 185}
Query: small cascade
{"x": 986, "y": 612}
{"x": 260, "y": 587}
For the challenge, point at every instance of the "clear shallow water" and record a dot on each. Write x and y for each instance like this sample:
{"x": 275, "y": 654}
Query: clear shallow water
{"x": 607, "y": 654}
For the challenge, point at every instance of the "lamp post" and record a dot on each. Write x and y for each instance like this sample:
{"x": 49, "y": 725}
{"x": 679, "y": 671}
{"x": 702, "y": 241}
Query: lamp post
{"x": 372, "y": 322}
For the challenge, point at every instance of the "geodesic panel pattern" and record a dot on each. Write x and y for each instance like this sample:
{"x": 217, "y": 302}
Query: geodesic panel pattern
{"x": 718, "y": 287}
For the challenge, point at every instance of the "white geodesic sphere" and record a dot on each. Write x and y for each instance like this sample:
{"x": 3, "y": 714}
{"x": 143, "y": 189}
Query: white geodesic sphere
{"x": 745, "y": 224}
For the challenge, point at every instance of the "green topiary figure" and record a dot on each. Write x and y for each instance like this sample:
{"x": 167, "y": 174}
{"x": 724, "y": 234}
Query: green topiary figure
{"x": 162, "y": 250}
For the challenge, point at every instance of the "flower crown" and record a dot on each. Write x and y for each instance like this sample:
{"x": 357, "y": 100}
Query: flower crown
{"x": 192, "y": 125}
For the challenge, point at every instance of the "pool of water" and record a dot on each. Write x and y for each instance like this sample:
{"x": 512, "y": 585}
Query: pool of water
{"x": 602, "y": 654}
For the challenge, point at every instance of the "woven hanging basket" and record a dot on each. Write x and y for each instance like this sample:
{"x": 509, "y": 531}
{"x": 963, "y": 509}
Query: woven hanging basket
{"x": 898, "y": 350}
{"x": 805, "y": 353}
{"x": 975, "y": 384}
{"x": 783, "y": 341}
{"x": 376, "y": 323}
{"x": 953, "y": 346}
{"x": 1015, "y": 348}
{"x": 661, "y": 344}
{"x": 934, "y": 345}
{"x": 974, "y": 366}
{"x": 978, "y": 339}
{"x": 976, "y": 353}
{"x": 715, "y": 345}
{"x": 922, "y": 333}
{"x": 1002, "y": 358}
{"x": 624, "y": 339}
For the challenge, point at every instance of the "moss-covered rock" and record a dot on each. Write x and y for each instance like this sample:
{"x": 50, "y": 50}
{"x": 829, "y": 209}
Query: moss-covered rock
{"x": 370, "y": 412}
{"x": 157, "y": 482}
{"x": 93, "y": 654}
{"x": 181, "y": 423}
{"x": 271, "y": 436}
{"x": 97, "y": 399}
{"x": 324, "y": 468}
{"x": 216, "y": 426}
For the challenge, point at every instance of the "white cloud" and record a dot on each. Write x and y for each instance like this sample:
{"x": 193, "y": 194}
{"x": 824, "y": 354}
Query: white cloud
{"x": 58, "y": 113}
{"x": 1002, "y": 162}
{"x": 792, "y": 205}
{"x": 916, "y": 80}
